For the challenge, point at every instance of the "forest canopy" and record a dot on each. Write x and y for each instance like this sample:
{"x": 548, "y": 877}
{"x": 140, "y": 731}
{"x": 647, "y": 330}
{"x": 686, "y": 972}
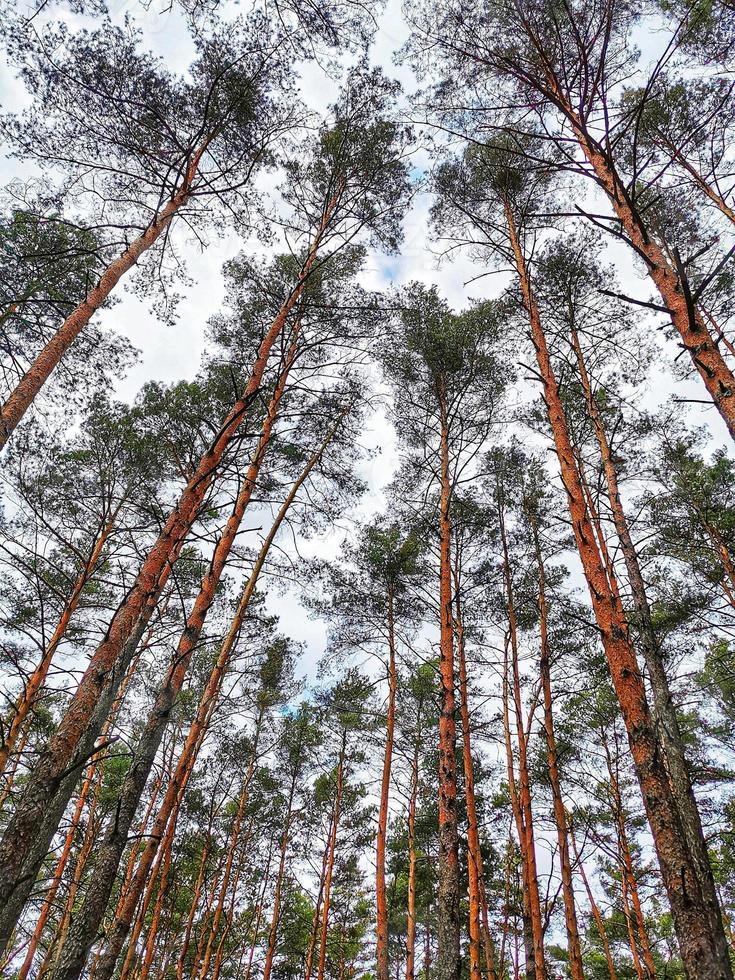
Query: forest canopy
{"x": 367, "y": 490}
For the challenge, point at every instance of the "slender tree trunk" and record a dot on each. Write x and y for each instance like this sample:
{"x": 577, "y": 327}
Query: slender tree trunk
{"x": 121, "y": 925}
{"x": 39, "y": 372}
{"x": 227, "y": 873}
{"x": 311, "y": 949}
{"x": 664, "y": 709}
{"x": 110, "y": 851}
{"x": 630, "y": 885}
{"x": 381, "y": 902}
{"x": 700, "y": 948}
{"x": 447, "y": 920}
{"x": 276, "y": 916}
{"x": 411, "y": 910}
{"x": 479, "y": 943}
{"x": 523, "y": 794}
{"x": 71, "y": 833}
{"x": 163, "y": 884}
{"x": 698, "y": 179}
{"x": 259, "y": 915}
{"x": 57, "y": 876}
{"x": 80, "y": 864}
{"x": 596, "y": 914}
{"x": 519, "y": 820}
{"x": 570, "y": 912}
{"x": 193, "y": 908}
{"x": 35, "y": 682}
{"x": 330, "y": 863}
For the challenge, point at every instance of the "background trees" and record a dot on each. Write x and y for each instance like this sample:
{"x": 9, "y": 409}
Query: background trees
{"x": 379, "y": 622}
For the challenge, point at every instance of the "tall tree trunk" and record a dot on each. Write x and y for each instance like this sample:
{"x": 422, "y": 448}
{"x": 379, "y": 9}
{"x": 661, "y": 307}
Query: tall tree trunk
{"x": 35, "y": 682}
{"x": 411, "y": 909}
{"x": 181, "y": 960}
{"x": 560, "y": 819}
{"x": 151, "y": 938}
{"x": 138, "y": 606}
{"x": 276, "y": 916}
{"x": 523, "y": 793}
{"x": 323, "y": 942}
{"x": 519, "y": 819}
{"x": 480, "y": 941}
{"x": 120, "y": 927}
{"x": 663, "y": 706}
{"x": 630, "y": 884}
{"x": 258, "y": 915}
{"x": 39, "y": 372}
{"x": 700, "y": 953}
{"x": 447, "y": 920}
{"x": 227, "y": 871}
{"x": 112, "y": 847}
{"x": 596, "y": 914}
{"x": 311, "y": 948}
{"x": 381, "y": 902}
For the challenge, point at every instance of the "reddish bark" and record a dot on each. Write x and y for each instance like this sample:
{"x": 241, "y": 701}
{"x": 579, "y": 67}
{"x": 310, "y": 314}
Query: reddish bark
{"x": 695, "y": 336}
{"x": 119, "y": 929}
{"x": 479, "y": 933}
{"x": 523, "y": 808}
{"x": 689, "y": 909}
{"x": 448, "y": 957}
{"x": 411, "y": 909}
{"x": 35, "y": 682}
{"x": 339, "y": 787}
{"x": 596, "y": 914}
{"x": 276, "y": 916}
{"x": 574, "y": 948}
{"x": 39, "y": 372}
{"x": 311, "y": 949}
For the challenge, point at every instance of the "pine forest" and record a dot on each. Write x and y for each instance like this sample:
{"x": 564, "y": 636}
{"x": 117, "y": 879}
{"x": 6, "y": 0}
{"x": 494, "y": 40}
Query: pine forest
{"x": 367, "y": 489}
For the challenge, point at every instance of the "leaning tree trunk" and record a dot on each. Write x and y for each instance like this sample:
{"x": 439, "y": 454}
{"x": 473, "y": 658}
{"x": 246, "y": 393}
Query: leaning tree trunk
{"x": 671, "y": 284}
{"x": 35, "y": 682}
{"x": 596, "y": 914}
{"x": 120, "y": 927}
{"x": 664, "y": 710}
{"x": 39, "y": 372}
{"x": 698, "y": 945}
{"x": 87, "y": 921}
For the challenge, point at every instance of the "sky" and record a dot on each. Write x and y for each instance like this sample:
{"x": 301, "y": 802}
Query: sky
{"x": 171, "y": 353}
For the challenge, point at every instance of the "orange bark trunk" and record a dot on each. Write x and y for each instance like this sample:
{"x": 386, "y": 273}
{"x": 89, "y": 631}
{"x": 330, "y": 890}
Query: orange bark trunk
{"x": 596, "y": 914}
{"x": 560, "y": 818}
{"x": 35, "y": 681}
{"x": 523, "y": 794}
{"x": 411, "y": 909}
{"x": 688, "y": 907}
{"x": 448, "y": 958}
{"x": 480, "y": 941}
{"x": 330, "y": 862}
{"x": 207, "y": 704}
{"x": 39, "y": 372}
